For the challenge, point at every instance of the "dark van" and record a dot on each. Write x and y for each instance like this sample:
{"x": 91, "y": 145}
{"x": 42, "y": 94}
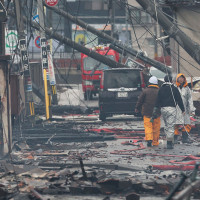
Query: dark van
{"x": 119, "y": 91}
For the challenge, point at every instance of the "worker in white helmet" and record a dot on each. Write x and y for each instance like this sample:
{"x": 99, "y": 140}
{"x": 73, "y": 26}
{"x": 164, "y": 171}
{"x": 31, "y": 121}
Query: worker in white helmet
{"x": 145, "y": 104}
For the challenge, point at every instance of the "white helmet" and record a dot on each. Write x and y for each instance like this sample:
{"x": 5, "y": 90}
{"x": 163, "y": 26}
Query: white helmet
{"x": 153, "y": 80}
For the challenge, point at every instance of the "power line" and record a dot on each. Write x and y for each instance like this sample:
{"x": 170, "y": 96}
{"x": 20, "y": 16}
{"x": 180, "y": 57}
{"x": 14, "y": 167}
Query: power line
{"x": 181, "y": 25}
{"x": 133, "y": 28}
{"x": 172, "y": 56}
{"x": 145, "y": 26}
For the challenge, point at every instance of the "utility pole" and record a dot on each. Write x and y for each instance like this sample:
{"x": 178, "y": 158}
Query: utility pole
{"x": 5, "y": 108}
{"x": 29, "y": 104}
{"x": 93, "y": 54}
{"x": 101, "y": 34}
{"x": 191, "y": 47}
{"x": 44, "y": 55}
{"x": 75, "y": 45}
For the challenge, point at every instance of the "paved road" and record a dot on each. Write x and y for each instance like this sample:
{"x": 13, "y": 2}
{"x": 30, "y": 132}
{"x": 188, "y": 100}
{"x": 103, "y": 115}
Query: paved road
{"x": 129, "y": 151}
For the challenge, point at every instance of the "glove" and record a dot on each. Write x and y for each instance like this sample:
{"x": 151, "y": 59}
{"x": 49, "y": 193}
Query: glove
{"x": 156, "y": 112}
{"x": 151, "y": 120}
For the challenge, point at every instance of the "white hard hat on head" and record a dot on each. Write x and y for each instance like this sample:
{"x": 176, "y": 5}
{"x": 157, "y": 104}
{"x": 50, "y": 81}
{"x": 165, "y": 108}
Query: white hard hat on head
{"x": 153, "y": 80}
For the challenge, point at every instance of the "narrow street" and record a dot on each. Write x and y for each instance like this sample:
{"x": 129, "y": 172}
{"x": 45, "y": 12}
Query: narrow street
{"x": 99, "y": 100}
{"x": 76, "y": 156}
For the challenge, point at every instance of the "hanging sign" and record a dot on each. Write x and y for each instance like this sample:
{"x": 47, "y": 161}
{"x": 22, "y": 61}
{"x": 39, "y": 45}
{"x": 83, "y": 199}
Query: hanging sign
{"x": 24, "y": 56}
{"x": 11, "y": 41}
{"x": 37, "y": 41}
{"x": 52, "y": 78}
{"x": 44, "y": 53}
{"x": 51, "y": 2}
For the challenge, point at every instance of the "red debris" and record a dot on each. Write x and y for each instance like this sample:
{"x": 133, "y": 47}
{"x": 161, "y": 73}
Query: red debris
{"x": 116, "y": 131}
{"x": 174, "y": 167}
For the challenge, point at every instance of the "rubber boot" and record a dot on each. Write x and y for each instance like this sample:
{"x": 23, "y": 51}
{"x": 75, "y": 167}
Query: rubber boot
{"x": 149, "y": 143}
{"x": 170, "y": 145}
{"x": 175, "y": 139}
{"x": 185, "y": 137}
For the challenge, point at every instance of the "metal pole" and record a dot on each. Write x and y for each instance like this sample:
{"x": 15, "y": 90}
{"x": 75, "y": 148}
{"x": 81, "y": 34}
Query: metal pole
{"x": 44, "y": 56}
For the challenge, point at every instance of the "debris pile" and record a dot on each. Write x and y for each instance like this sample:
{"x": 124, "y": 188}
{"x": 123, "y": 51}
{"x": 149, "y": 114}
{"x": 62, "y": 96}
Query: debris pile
{"x": 79, "y": 180}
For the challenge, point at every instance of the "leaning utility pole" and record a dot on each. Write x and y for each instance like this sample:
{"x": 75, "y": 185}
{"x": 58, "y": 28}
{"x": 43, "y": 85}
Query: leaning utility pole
{"x": 44, "y": 55}
{"x": 115, "y": 42}
{"x": 5, "y": 107}
{"x": 91, "y": 53}
{"x": 64, "y": 40}
{"x": 29, "y": 104}
{"x": 191, "y": 47}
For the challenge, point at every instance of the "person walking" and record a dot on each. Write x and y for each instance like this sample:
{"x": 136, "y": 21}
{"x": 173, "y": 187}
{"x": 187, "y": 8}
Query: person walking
{"x": 168, "y": 98}
{"x": 146, "y": 103}
{"x": 181, "y": 120}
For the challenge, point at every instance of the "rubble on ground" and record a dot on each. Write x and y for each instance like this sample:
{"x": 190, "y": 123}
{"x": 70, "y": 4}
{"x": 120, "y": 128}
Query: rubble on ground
{"x": 65, "y": 160}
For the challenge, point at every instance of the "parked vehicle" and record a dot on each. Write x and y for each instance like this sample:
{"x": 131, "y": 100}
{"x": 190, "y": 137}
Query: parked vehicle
{"x": 119, "y": 91}
{"x": 91, "y": 70}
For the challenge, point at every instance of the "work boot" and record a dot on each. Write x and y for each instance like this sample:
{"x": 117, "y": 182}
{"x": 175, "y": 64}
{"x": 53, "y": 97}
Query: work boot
{"x": 149, "y": 143}
{"x": 170, "y": 145}
{"x": 185, "y": 137}
{"x": 175, "y": 139}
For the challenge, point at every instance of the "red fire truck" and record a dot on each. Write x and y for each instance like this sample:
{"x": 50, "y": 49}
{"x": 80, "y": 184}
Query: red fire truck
{"x": 92, "y": 69}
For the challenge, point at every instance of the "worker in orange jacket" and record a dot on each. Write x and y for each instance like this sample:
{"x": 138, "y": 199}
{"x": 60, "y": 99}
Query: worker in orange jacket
{"x": 146, "y": 103}
{"x": 184, "y": 120}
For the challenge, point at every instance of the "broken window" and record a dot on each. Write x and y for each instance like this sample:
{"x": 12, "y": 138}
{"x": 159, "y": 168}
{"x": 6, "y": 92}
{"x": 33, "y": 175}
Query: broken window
{"x": 118, "y": 79}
